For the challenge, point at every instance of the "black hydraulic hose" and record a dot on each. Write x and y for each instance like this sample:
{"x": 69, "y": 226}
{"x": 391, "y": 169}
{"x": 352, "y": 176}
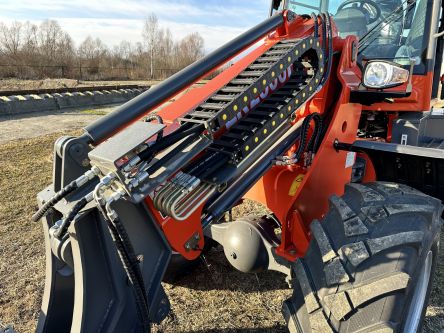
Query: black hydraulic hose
{"x": 236, "y": 190}
{"x": 316, "y": 136}
{"x": 324, "y": 36}
{"x": 168, "y": 141}
{"x": 205, "y": 172}
{"x": 159, "y": 119}
{"x": 68, "y": 189}
{"x": 329, "y": 31}
{"x": 315, "y": 24}
{"x": 304, "y": 135}
{"x": 130, "y": 265}
{"x": 152, "y": 117}
{"x": 129, "y": 250}
{"x": 172, "y": 153}
{"x": 138, "y": 106}
{"x": 66, "y": 222}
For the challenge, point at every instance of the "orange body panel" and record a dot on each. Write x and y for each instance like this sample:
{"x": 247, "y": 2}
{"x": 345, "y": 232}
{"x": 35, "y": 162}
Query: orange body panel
{"x": 419, "y": 100}
{"x": 180, "y": 232}
{"x": 291, "y": 191}
{"x": 296, "y": 194}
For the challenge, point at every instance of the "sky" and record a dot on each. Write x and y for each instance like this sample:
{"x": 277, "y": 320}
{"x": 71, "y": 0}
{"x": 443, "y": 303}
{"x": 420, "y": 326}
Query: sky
{"x": 218, "y": 21}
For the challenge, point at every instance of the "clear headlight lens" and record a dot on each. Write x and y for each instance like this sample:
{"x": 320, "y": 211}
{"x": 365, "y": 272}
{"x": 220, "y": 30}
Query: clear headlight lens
{"x": 380, "y": 74}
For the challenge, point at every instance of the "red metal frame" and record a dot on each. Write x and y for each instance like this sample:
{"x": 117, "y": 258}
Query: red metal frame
{"x": 296, "y": 195}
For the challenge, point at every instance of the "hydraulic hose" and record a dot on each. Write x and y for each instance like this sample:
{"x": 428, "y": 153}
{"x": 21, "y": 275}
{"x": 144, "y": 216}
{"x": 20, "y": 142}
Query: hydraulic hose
{"x": 152, "y": 117}
{"x": 304, "y": 136}
{"x": 313, "y": 144}
{"x": 324, "y": 39}
{"x": 68, "y": 189}
{"x": 159, "y": 119}
{"x": 130, "y": 265}
{"x": 66, "y": 222}
{"x": 168, "y": 141}
{"x": 156, "y": 166}
{"x": 315, "y": 24}
{"x": 327, "y": 32}
{"x": 64, "y": 192}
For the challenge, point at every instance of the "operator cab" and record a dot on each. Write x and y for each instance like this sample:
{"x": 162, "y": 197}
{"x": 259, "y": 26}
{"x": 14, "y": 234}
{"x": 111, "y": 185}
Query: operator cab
{"x": 394, "y": 30}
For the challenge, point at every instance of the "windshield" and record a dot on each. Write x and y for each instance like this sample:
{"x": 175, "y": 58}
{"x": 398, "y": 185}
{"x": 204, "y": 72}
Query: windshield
{"x": 388, "y": 29}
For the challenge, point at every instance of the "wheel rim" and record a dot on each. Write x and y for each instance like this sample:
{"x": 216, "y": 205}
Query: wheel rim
{"x": 419, "y": 298}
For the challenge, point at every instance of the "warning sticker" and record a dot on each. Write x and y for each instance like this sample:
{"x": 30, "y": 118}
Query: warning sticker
{"x": 350, "y": 160}
{"x": 295, "y": 185}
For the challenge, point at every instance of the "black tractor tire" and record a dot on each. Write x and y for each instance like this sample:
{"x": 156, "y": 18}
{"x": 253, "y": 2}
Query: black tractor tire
{"x": 375, "y": 247}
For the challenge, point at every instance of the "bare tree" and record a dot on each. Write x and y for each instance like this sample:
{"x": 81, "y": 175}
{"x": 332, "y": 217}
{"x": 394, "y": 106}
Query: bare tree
{"x": 191, "y": 48}
{"x": 150, "y": 35}
{"x": 30, "y": 41}
{"x": 11, "y": 38}
{"x": 92, "y": 52}
{"x": 46, "y": 50}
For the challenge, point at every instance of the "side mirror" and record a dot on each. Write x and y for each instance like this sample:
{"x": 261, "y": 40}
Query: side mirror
{"x": 276, "y": 4}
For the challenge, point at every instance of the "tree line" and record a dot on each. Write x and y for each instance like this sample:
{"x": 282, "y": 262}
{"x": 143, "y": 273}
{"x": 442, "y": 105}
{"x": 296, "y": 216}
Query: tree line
{"x": 30, "y": 51}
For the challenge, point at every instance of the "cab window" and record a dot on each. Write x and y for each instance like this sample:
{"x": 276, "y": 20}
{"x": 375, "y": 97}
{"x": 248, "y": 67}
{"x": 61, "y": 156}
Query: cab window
{"x": 305, "y": 6}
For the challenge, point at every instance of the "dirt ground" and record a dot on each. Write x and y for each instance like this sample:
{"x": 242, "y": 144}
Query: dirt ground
{"x": 16, "y": 84}
{"x": 215, "y": 299}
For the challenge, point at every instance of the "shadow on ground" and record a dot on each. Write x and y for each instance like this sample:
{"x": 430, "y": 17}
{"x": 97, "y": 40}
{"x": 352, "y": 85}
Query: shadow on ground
{"x": 214, "y": 272}
{"x": 278, "y": 328}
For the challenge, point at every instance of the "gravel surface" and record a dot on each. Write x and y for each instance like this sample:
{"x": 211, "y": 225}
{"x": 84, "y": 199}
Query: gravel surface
{"x": 33, "y": 125}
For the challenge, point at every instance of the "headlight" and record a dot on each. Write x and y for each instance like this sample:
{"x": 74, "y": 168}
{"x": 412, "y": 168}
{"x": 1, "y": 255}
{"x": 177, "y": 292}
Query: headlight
{"x": 381, "y": 74}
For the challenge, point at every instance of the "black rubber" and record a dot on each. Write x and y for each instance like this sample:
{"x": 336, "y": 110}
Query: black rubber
{"x": 64, "y": 192}
{"x": 360, "y": 271}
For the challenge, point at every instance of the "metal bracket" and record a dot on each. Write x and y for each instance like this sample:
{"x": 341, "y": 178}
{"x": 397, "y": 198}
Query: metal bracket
{"x": 70, "y": 160}
{"x": 193, "y": 242}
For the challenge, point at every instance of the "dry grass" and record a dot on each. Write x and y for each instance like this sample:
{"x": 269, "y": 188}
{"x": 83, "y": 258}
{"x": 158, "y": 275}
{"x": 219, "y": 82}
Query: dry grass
{"x": 17, "y": 84}
{"x": 25, "y": 169}
{"x": 215, "y": 299}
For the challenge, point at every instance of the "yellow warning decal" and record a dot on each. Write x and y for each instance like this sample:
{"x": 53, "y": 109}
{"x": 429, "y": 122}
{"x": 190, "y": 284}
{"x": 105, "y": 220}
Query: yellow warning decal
{"x": 296, "y": 184}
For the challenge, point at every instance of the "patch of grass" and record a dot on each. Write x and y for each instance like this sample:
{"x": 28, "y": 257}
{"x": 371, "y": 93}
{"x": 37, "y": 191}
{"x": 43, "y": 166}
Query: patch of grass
{"x": 94, "y": 112}
{"x": 25, "y": 169}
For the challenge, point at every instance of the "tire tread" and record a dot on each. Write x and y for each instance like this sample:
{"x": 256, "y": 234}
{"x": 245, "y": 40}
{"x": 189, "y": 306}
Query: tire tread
{"x": 363, "y": 227}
